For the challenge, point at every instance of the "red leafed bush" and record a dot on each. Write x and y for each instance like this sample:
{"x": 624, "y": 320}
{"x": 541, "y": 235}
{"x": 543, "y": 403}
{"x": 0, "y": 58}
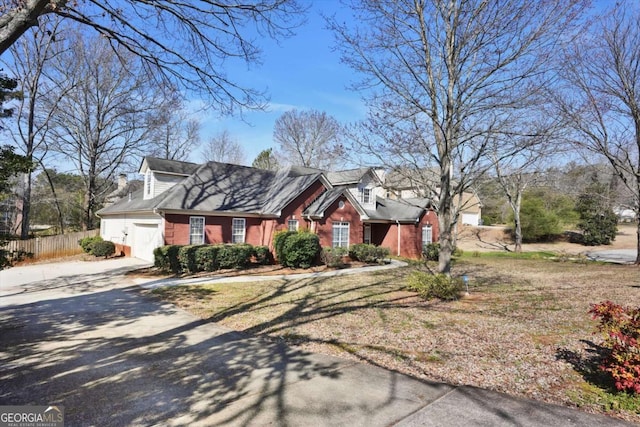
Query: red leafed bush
{"x": 621, "y": 328}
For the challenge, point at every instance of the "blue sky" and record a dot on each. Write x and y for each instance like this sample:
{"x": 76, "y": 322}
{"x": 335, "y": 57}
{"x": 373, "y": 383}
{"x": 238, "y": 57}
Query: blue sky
{"x": 301, "y": 72}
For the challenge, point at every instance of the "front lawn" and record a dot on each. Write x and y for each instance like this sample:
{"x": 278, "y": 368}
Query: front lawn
{"x": 524, "y": 329}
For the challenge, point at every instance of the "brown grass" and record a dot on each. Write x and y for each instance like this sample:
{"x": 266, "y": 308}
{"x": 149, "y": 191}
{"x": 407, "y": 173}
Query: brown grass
{"x": 494, "y": 238}
{"x": 524, "y": 329}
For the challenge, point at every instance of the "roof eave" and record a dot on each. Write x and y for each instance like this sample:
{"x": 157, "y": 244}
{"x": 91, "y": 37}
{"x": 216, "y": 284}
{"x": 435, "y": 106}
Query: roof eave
{"x": 230, "y": 214}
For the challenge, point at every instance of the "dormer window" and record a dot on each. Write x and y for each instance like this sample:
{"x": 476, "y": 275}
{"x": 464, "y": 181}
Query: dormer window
{"x": 366, "y": 195}
{"x": 147, "y": 183}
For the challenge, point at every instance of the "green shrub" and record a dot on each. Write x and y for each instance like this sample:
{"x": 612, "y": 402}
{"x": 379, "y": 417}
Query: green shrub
{"x": 207, "y": 257}
{"x": 621, "y": 328}
{"x": 263, "y": 255}
{"x": 279, "y": 240}
{"x": 86, "y": 243}
{"x": 539, "y": 223}
{"x": 8, "y": 258}
{"x": 234, "y": 255}
{"x": 368, "y": 253}
{"x": 166, "y": 258}
{"x": 301, "y": 250}
{"x": 431, "y": 252}
{"x": 429, "y": 285}
{"x": 103, "y": 248}
{"x": 333, "y": 257}
{"x": 187, "y": 258}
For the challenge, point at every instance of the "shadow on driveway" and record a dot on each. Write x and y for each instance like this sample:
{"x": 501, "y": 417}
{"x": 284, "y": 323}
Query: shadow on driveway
{"x": 116, "y": 357}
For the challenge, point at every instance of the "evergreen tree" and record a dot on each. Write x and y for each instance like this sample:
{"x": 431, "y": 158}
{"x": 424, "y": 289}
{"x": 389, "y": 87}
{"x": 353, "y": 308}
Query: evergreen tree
{"x": 598, "y": 222}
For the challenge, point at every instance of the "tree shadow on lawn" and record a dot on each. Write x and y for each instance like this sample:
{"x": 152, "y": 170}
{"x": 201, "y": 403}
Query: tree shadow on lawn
{"x": 588, "y": 365}
{"x": 116, "y": 357}
{"x": 297, "y": 302}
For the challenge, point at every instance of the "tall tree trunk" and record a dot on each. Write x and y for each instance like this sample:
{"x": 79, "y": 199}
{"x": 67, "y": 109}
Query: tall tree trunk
{"x": 89, "y": 203}
{"x": 26, "y": 207}
{"x": 638, "y": 239}
{"x": 517, "y": 222}
{"x": 445, "y": 217}
{"x": 55, "y": 198}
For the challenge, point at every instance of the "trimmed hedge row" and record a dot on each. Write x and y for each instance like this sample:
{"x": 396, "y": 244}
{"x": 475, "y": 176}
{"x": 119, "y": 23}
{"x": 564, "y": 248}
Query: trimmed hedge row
{"x": 363, "y": 252}
{"x": 294, "y": 249}
{"x": 195, "y": 258}
{"x": 368, "y": 253}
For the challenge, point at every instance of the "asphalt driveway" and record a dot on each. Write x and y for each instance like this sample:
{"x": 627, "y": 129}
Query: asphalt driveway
{"x": 84, "y": 337}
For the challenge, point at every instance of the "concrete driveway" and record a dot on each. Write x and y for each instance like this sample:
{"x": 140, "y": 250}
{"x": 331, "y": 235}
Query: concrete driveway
{"x": 86, "y": 338}
{"x": 618, "y": 256}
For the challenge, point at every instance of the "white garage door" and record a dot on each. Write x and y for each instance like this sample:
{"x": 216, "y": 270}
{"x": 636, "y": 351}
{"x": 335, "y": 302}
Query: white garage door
{"x": 470, "y": 219}
{"x": 145, "y": 240}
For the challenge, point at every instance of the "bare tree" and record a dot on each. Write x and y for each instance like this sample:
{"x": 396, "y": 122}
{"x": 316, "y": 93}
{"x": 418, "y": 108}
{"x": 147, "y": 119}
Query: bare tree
{"x": 103, "y": 120}
{"x": 516, "y": 174}
{"x": 444, "y": 79}
{"x": 174, "y": 135}
{"x": 29, "y": 57}
{"x": 308, "y": 138}
{"x": 222, "y": 147}
{"x": 602, "y": 96}
{"x": 188, "y": 41}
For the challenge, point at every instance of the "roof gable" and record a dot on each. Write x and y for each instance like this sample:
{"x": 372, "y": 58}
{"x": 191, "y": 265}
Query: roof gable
{"x": 347, "y": 177}
{"x": 174, "y": 167}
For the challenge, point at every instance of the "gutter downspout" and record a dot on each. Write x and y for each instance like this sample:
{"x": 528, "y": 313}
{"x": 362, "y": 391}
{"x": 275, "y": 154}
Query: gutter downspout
{"x": 163, "y": 224}
{"x": 398, "y": 224}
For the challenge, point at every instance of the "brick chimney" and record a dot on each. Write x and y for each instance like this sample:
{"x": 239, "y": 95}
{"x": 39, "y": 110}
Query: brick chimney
{"x": 122, "y": 181}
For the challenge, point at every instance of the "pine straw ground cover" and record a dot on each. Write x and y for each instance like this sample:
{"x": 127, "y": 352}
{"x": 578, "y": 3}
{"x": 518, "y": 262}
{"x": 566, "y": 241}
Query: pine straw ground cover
{"x": 523, "y": 330}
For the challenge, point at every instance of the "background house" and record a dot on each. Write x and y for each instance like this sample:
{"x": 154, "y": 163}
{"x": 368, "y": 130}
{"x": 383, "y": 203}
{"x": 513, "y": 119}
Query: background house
{"x": 187, "y": 203}
{"x": 407, "y": 184}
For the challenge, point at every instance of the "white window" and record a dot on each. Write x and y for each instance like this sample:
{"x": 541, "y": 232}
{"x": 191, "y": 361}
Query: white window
{"x": 365, "y": 195}
{"x": 196, "y": 230}
{"x": 292, "y": 225}
{"x": 427, "y": 236}
{"x": 147, "y": 183}
{"x": 238, "y": 230}
{"x": 340, "y": 235}
{"x": 367, "y": 234}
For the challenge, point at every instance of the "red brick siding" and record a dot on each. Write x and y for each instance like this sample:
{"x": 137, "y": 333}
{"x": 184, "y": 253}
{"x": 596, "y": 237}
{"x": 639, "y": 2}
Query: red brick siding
{"x": 411, "y": 235}
{"x": 334, "y": 213}
{"x": 298, "y": 205}
{"x": 261, "y": 231}
{"x": 258, "y": 232}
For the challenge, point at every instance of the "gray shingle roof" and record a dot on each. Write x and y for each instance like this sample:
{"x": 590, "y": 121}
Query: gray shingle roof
{"x": 170, "y": 166}
{"x": 303, "y": 170}
{"x": 135, "y": 204}
{"x": 397, "y": 210}
{"x": 385, "y": 210}
{"x": 352, "y": 176}
{"x": 225, "y": 188}
{"x": 317, "y": 207}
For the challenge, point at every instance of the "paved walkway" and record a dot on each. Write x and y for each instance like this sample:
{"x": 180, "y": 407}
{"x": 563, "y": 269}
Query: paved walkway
{"x": 90, "y": 341}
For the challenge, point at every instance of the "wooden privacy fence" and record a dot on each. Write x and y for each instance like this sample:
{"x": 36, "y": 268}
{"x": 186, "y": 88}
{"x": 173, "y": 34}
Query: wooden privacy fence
{"x": 52, "y": 246}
